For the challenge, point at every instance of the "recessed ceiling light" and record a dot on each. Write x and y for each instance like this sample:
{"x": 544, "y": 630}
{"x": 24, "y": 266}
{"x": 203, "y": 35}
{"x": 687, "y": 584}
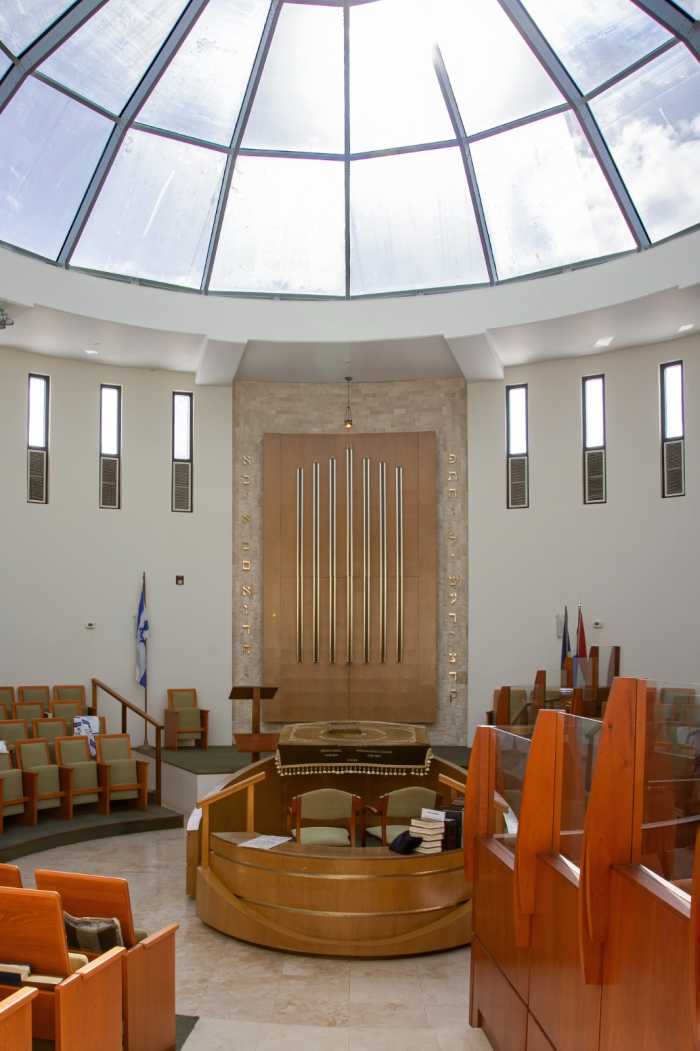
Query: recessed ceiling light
{"x": 92, "y": 352}
{"x": 686, "y": 328}
{"x": 603, "y": 342}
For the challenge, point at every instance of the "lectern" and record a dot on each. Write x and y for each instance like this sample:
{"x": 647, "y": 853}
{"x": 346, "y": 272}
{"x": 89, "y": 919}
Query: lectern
{"x": 255, "y": 742}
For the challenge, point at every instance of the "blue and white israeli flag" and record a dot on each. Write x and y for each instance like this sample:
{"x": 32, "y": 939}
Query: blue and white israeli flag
{"x": 141, "y": 637}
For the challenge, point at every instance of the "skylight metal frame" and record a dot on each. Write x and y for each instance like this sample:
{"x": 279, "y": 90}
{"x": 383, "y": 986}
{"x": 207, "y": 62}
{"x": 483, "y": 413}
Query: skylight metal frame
{"x": 681, "y": 26}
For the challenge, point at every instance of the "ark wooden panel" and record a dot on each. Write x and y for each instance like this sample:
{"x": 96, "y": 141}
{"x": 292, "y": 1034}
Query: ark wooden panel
{"x": 647, "y": 981}
{"x": 496, "y": 1007}
{"x": 338, "y": 584}
{"x": 566, "y": 1008}
{"x": 494, "y": 913}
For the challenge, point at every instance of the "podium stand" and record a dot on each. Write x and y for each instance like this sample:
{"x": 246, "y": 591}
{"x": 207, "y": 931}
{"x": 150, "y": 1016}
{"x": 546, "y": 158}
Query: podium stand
{"x": 255, "y": 742}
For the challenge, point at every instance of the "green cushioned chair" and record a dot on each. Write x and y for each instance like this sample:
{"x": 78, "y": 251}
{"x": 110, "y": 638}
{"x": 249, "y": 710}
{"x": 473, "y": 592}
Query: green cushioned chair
{"x": 49, "y": 730}
{"x": 70, "y": 693}
{"x": 73, "y": 754}
{"x": 34, "y": 694}
{"x": 12, "y": 797}
{"x": 68, "y": 710}
{"x": 12, "y": 731}
{"x": 121, "y": 776}
{"x": 44, "y": 785}
{"x": 29, "y": 711}
{"x": 310, "y": 814}
{"x": 185, "y": 723}
{"x": 7, "y": 697}
{"x": 395, "y": 810}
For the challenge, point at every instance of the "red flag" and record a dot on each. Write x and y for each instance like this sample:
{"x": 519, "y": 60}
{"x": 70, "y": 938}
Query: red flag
{"x": 581, "y": 648}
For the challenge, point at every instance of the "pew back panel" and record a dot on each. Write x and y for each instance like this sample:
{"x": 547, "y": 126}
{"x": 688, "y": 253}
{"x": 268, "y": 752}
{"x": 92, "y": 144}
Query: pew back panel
{"x": 82, "y": 895}
{"x": 16, "y": 1021}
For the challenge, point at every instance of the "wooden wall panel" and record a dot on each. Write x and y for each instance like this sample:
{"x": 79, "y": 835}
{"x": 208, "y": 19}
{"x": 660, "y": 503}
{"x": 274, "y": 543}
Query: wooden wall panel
{"x": 566, "y": 1008}
{"x": 494, "y": 913}
{"x": 536, "y": 1040}
{"x": 496, "y": 1007}
{"x": 375, "y": 684}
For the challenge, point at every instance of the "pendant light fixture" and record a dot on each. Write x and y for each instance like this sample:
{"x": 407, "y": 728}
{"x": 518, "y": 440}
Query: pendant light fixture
{"x": 348, "y": 410}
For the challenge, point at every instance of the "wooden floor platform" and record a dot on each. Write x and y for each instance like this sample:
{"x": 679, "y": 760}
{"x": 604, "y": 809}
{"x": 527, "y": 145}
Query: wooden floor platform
{"x": 19, "y": 840}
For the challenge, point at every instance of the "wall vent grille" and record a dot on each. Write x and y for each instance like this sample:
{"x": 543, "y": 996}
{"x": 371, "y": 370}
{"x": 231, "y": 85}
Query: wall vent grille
{"x": 182, "y": 485}
{"x": 594, "y": 482}
{"x": 110, "y": 482}
{"x": 37, "y": 464}
{"x": 674, "y": 467}
{"x": 518, "y": 481}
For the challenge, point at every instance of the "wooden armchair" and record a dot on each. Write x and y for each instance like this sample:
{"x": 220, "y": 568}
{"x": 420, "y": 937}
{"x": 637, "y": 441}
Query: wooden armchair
{"x": 7, "y": 701}
{"x": 34, "y": 694}
{"x": 121, "y": 776}
{"x": 78, "y": 1004}
{"x": 12, "y": 731}
{"x": 12, "y": 795}
{"x": 149, "y": 961}
{"x": 395, "y": 810}
{"x": 310, "y": 815}
{"x": 10, "y": 876}
{"x": 49, "y": 730}
{"x": 45, "y": 785}
{"x": 29, "y": 711}
{"x": 73, "y": 755}
{"x": 16, "y": 1020}
{"x": 71, "y": 693}
{"x": 185, "y": 723}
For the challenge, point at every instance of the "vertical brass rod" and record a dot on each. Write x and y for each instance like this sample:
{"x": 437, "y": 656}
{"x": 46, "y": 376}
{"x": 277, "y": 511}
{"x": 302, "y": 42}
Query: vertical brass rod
{"x": 366, "y": 559}
{"x": 382, "y": 562}
{"x": 316, "y": 558}
{"x": 399, "y": 565}
{"x": 350, "y": 557}
{"x": 332, "y": 583}
{"x": 300, "y": 564}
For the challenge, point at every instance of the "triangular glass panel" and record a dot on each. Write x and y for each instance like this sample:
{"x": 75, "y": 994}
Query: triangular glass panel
{"x": 595, "y": 39}
{"x": 495, "y": 76}
{"x": 107, "y": 57}
{"x": 299, "y": 101}
{"x": 395, "y": 96}
{"x": 201, "y": 91}
{"x": 22, "y": 21}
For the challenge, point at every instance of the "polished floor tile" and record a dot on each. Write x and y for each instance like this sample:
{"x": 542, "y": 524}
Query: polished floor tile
{"x": 252, "y": 999}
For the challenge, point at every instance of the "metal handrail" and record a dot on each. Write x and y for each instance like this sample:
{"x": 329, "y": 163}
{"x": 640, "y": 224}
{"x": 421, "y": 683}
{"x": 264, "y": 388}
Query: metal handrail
{"x": 248, "y": 785}
{"x": 127, "y": 706}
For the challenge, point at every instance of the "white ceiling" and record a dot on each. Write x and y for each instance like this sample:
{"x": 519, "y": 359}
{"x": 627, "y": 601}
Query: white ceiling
{"x": 652, "y": 318}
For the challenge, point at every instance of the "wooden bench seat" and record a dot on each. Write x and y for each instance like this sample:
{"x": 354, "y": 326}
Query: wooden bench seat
{"x": 148, "y": 963}
{"x": 16, "y": 1021}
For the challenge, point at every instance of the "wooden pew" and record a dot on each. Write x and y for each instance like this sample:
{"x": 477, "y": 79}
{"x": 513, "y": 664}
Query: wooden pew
{"x": 148, "y": 963}
{"x": 77, "y": 1006}
{"x": 16, "y": 1021}
{"x": 10, "y": 876}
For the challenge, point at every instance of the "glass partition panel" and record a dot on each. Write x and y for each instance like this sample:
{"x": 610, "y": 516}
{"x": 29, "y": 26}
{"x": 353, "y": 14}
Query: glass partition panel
{"x": 512, "y": 752}
{"x": 671, "y": 816}
{"x": 581, "y": 740}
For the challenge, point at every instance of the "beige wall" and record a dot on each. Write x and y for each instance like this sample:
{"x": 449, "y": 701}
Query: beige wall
{"x": 438, "y": 405}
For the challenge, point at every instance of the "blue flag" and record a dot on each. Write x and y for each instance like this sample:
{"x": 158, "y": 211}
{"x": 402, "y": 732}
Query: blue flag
{"x": 565, "y": 640}
{"x": 141, "y": 638}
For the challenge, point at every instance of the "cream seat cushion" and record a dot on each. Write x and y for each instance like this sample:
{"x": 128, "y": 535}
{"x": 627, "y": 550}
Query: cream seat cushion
{"x": 392, "y": 831}
{"x": 324, "y": 836}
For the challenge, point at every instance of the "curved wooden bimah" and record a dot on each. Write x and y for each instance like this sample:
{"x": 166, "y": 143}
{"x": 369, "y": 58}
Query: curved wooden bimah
{"x": 326, "y": 901}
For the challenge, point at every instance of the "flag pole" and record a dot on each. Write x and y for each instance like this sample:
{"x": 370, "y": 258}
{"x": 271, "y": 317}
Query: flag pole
{"x": 145, "y": 643}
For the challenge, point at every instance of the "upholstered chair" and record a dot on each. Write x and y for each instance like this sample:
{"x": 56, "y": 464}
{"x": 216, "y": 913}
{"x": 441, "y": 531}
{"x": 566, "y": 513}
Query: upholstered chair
{"x": 34, "y": 694}
{"x": 12, "y": 797}
{"x": 73, "y": 754}
{"x": 395, "y": 810}
{"x": 185, "y": 723}
{"x": 12, "y": 731}
{"x": 121, "y": 776}
{"x": 70, "y": 693}
{"x": 68, "y": 710}
{"x": 310, "y": 815}
{"x": 44, "y": 785}
{"x": 7, "y": 701}
{"x": 29, "y": 711}
{"x": 49, "y": 730}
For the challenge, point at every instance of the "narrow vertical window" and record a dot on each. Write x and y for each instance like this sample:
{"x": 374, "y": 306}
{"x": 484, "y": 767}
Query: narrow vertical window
{"x": 182, "y": 452}
{"x": 517, "y": 457}
{"x": 110, "y": 446}
{"x": 38, "y": 440}
{"x": 594, "y": 443}
{"x": 672, "y": 430}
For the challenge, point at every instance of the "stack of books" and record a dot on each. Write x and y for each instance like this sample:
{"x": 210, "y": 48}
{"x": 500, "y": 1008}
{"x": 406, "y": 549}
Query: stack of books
{"x": 430, "y": 832}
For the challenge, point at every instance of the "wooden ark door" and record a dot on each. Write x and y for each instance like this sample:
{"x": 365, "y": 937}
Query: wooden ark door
{"x": 350, "y": 576}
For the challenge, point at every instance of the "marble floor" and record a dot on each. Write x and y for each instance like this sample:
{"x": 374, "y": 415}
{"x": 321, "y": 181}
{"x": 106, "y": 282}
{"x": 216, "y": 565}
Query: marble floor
{"x": 252, "y": 999}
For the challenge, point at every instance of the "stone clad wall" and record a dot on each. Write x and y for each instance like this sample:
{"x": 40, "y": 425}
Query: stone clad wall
{"x": 305, "y": 408}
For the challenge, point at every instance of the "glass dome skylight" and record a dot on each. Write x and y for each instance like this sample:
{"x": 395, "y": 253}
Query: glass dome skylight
{"x": 286, "y": 147}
